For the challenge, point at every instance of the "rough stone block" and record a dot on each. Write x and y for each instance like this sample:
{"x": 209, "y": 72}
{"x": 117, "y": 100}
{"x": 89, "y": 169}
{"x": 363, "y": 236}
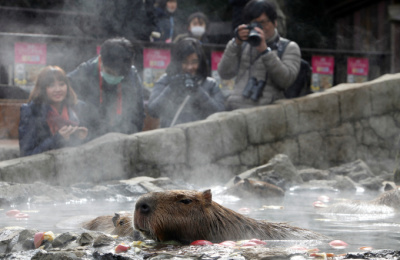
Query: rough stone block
{"x": 39, "y": 167}
{"x": 385, "y": 128}
{"x": 288, "y": 147}
{"x": 99, "y": 160}
{"x": 162, "y": 146}
{"x": 311, "y": 149}
{"x": 355, "y": 102}
{"x": 385, "y": 96}
{"x": 314, "y": 112}
{"x": 204, "y": 141}
{"x": 265, "y": 124}
{"x": 250, "y": 156}
{"x": 233, "y": 130}
{"x": 233, "y": 160}
{"x": 340, "y": 149}
{"x": 266, "y": 152}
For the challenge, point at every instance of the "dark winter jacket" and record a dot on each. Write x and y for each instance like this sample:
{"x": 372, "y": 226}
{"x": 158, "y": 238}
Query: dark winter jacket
{"x": 166, "y": 98}
{"x": 85, "y": 81}
{"x": 34, "y": 132}
{"x": 164, "y": 24}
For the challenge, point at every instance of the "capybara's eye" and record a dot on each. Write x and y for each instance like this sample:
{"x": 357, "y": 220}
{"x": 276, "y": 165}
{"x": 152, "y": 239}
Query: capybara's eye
{"x": 186, "y": 201}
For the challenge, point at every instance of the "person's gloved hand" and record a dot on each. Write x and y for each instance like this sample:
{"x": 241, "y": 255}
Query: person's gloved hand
{"x": 176, "y": 81}
{"x": 199, "y": 95}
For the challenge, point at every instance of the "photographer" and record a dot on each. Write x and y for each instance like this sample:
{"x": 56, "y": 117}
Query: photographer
{"x": 252, "y": 56}
{"x": 185, "y": 93}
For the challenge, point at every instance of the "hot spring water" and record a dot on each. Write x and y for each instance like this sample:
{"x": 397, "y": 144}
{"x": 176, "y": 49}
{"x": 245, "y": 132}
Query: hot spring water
{"x": 376, "y": 231}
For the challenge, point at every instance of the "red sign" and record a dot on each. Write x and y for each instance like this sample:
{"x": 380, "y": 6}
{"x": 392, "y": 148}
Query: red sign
{"x": 156, "y": 58}
{"x": 30, "y": 53}
{"x": 357, "y": 66}
{"x": 323, "y": 64}
{"x": 216, "y": 57}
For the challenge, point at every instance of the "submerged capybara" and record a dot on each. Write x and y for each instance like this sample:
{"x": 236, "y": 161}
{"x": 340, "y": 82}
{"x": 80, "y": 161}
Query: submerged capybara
{"x": 188, "y": 215}
{"x": 387, "y": 203}
{"x": 249, "y": 188}
{"x": 120, "y": 225}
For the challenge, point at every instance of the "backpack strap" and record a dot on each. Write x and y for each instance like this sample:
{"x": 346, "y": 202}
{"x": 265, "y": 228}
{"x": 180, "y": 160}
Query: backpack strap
{"x": 281, "y": 46}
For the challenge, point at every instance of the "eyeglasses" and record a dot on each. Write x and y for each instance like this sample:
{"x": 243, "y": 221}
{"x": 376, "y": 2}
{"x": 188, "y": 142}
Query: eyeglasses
{"x": 263, "y": 22}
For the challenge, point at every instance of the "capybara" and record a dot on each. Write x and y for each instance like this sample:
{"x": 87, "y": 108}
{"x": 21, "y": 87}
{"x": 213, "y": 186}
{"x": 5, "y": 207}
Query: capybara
{"x": 387, "y": 203}
{"x": 120, "y": 225}
{"x": 249, "y": 188}
{"x": 188, "y": 215}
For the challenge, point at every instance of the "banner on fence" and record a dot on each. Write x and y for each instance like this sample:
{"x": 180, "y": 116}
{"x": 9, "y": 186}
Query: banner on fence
{"x": 322, "y": 72}
{"x": 155, "y": 62}
{"x": 29, "y": 59}
{"x": 357, "y": 70}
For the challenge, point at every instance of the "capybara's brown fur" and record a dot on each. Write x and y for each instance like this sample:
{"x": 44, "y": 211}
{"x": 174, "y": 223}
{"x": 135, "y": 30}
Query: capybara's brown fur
{"x": 389, "y": 198}
{"x": 187, "y": 215}
{"x": 387, "y": 203}
{"x": 120, "y": 225}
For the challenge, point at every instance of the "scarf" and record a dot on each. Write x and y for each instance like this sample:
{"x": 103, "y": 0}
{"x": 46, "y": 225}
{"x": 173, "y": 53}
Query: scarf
{"x": 56, "y": 120}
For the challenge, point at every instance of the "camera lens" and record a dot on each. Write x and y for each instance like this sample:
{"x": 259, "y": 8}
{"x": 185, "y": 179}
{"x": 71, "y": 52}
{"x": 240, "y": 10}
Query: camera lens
{"x": 189, "y": 83}
{"x": 254, "y": 38}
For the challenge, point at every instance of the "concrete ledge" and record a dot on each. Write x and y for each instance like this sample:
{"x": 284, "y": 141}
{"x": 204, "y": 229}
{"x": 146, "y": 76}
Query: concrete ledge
{"x": 28, "y": 169}
{"x": 342, "y": 124}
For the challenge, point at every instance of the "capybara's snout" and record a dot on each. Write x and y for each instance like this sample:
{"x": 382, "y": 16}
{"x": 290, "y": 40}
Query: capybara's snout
{"x": 145, "y": 205}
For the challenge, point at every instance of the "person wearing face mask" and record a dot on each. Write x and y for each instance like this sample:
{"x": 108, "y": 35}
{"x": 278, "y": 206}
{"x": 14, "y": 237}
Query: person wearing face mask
{"x": 185, "y": 93}
{"x": 169, "y": 21}
{"x": 197, "y": 28}
{"x": 112, "y": 84}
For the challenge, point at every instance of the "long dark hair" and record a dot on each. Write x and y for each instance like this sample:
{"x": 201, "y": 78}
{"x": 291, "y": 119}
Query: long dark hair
{"x": 47, "y": 76}
{"x": 181, "y": 50}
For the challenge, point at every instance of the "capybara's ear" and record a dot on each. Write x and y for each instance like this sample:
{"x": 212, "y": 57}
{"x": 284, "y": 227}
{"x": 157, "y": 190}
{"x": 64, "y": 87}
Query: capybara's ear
{"x": 115, "y": 219}
{"x": 237, "y": 179}
{"x": 247, "y": 183}
{"x": 207, "y": 196}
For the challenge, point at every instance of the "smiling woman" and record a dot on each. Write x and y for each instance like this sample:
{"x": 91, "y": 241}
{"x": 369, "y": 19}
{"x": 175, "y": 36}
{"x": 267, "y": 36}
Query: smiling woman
{"x": 53, "y": 117}
{"x": 185, "y": 93}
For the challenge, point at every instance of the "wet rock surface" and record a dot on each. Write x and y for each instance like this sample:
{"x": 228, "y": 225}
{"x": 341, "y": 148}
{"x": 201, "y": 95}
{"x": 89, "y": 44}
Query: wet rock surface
{"x": 97, "y": 245}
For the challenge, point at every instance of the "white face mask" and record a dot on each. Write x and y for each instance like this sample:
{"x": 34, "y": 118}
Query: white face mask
{"x": 197, "y": 31}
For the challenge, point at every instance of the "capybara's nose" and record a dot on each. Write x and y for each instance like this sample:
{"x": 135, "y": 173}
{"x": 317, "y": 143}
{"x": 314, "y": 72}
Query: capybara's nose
{"x": 143, "y": 207}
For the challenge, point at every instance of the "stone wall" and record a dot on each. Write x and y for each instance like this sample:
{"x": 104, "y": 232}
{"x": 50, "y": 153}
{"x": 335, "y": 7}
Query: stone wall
{"x": 321, "y": 130}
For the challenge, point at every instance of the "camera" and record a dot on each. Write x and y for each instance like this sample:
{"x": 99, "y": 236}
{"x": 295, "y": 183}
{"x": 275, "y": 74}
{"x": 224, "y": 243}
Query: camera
{"x": 254, "y": 37}
{"x": 184, "y": 80}
{"x": 254, "y": 89}
{"x": 188, "y": 81}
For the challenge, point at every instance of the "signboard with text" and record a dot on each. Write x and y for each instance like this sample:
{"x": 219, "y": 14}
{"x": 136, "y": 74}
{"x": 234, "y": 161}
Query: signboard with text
{"x": 357, "y": 69}
{"x": 322, "y": 72}
{"x": 155, "y": 62}
{"x": 29, "y": 59}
